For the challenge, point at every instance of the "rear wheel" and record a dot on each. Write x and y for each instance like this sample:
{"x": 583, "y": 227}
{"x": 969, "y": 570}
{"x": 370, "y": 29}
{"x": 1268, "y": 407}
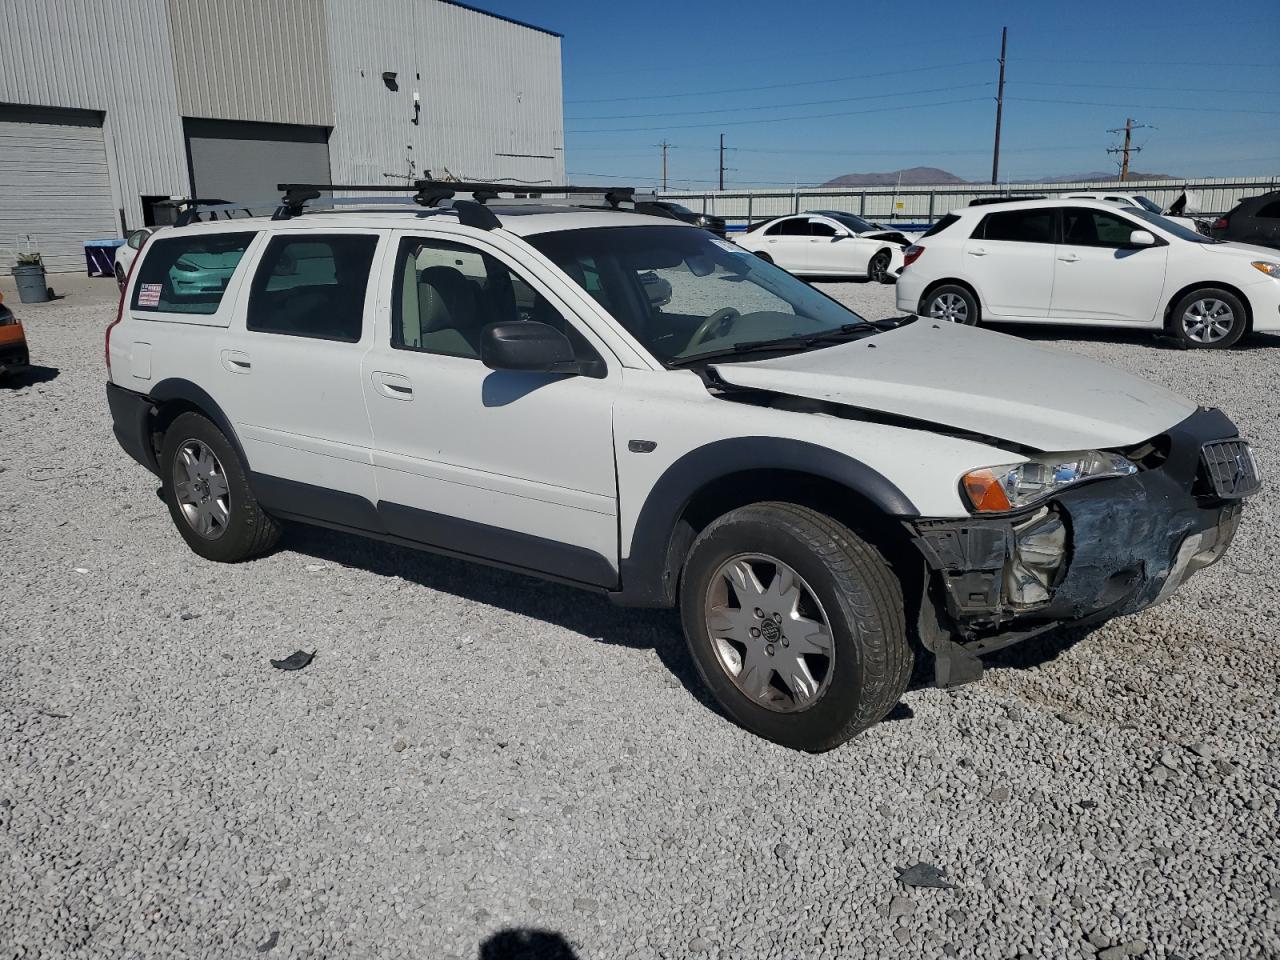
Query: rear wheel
{"x": 1208, "y": 318}
{"x": 878, "y": 267}
{"x": 796, "y": 625}
{"x": 952, "y": 303}
{"x": 208, "y": 493}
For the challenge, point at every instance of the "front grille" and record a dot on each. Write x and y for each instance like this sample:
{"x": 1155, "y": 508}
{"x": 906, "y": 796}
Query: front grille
{"x": 1231, "y": 468}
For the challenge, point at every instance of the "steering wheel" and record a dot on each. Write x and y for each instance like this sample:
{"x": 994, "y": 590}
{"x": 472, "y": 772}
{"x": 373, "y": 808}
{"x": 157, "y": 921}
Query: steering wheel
{"x": 720, "y": 322}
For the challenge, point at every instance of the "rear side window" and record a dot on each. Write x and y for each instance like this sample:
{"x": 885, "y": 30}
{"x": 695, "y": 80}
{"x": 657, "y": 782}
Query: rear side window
{"x": 312, "y": 286}
{"x": 1024, "y": 226}
{"x": 794, "y": 227}
{"x": 1270, "y": 210}
{"x": 188, "y": 274}
{"x": 941, "y": 225}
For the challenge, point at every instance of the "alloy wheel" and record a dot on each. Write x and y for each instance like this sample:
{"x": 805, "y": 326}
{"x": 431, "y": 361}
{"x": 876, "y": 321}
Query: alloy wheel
{"x": 1208, "y": 320}
{"x": 879, "y": 268}
{"x": 950, "y": 307}
{"x": 200, "y": 486}
{"x": 769, "y": 632}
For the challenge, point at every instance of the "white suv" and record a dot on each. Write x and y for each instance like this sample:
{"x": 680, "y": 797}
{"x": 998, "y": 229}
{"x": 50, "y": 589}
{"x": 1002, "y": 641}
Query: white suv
{"x": 1090, "y": 262}
{"x": 823, "y": 497}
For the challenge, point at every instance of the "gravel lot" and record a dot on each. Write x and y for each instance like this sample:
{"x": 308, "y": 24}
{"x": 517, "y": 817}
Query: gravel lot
{"x": 472, "y": 752}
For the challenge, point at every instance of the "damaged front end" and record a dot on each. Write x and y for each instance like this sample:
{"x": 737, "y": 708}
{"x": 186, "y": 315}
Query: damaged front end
{"x": 1089, "y": 553}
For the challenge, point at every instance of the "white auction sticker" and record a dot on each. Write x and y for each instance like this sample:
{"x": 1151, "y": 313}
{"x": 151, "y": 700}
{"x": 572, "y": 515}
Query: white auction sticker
{"x": 149, "y": 294}
{"x": 726, "y": 245}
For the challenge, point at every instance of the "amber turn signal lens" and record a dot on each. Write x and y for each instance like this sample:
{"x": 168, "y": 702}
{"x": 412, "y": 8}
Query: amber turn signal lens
{"x": 985, "y": 492}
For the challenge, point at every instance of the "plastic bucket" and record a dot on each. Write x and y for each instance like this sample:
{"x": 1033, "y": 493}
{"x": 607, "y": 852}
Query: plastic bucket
{"x": 32, "y": 287}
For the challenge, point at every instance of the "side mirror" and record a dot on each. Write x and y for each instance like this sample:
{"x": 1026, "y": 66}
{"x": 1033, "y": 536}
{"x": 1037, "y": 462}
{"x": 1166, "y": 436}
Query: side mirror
{"x": 531, "y": 346}
{"x": 1142, "y": 238}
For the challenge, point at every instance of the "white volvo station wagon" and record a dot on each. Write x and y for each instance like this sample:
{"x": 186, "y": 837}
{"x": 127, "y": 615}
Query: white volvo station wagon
{"x": 824, "y": 498}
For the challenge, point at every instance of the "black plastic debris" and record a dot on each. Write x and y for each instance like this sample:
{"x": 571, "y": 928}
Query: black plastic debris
{"x": 1088, "y": 804}
{"x": 294, "y": 661}
{"x": 270, "y": 942}
{"x": 924, "y": 875}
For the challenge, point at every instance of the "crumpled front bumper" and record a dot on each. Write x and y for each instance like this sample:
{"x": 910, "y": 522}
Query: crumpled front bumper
{"x": 1099, "y": 550}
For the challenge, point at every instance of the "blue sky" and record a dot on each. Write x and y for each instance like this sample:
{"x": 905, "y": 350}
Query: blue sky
{"x": 887, "y": 85}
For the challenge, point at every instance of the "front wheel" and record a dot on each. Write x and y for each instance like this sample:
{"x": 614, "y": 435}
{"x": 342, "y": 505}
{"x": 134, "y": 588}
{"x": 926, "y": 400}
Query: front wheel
{"x": 952, "y": 303}
{"x": 1208, "y": 318}
{"x": 764, "y": 256}
{"x": 796, "y": 625}
{"x": 208, "y": 493}
{"x": 121, "y": 276}
{"x": 878, "y": 267}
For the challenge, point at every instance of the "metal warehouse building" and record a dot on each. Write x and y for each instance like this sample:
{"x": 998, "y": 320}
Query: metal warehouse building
{"x": 106, "y": 109}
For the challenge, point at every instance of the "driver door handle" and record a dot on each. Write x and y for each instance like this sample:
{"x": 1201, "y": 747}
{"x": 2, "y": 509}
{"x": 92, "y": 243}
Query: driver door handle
{"x": 1069, "y": 258}
{"x": 977, "y": 252}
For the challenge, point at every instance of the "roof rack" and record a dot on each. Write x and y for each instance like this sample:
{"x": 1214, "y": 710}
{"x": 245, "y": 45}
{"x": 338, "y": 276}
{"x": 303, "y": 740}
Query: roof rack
{"x": 429, "y": 193}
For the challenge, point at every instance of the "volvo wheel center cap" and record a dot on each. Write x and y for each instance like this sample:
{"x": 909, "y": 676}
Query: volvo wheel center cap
{"x": 770, "y": 631}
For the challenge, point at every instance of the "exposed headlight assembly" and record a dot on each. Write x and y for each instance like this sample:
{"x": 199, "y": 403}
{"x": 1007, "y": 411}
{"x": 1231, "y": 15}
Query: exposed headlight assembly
{"x": 1012, "y": 486}
{"x": 1269, "y": 267}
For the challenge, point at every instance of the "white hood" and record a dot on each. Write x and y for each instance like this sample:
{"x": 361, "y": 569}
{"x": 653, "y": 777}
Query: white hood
{"x": 976, "y": 381}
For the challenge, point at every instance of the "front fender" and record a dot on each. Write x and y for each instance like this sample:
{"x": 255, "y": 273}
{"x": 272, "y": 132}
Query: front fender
{"x": 650, "y": 572}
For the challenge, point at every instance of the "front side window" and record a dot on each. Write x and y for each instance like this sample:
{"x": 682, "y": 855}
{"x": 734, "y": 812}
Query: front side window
{"x": 446, "y": 293}
{"x": 1270, "y": 211}
{"x": 312, "y": 285}
{"x": 188, "y": 274}
{"x": 1169, "y": 226}
{"x": 1095, "y": 228}
{"x": 820, "y": 228}
{"x": 684, "y": 294}
{"x": 1023, "y": 226}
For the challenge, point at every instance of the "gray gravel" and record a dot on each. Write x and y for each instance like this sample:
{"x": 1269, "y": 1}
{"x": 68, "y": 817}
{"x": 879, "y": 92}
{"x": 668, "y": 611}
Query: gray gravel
{"x": 472, "y": 751}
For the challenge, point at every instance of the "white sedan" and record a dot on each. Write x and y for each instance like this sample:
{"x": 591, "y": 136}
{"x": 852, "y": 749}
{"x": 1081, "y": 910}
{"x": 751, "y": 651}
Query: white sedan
{"x": 828, "y": 244}
{"x": 1090, "y": 262}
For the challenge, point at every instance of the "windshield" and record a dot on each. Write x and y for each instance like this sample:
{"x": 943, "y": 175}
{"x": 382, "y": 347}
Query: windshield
{"x": 685, "y": 294}
{"x": 852, "y": 221}
{"x": 1148, "y": 204}
{"x": 1168, "y": 226}
{"x": 679, "y": 208}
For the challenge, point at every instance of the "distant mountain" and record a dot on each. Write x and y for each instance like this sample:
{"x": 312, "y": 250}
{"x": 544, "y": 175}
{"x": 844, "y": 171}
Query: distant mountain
{"x": 915, "y": 176}
{"x": 932, "y": 176}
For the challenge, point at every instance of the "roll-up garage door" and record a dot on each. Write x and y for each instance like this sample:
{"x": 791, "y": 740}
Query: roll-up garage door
{"x": 243, "y": 162}
{"x": 53, "y": 184}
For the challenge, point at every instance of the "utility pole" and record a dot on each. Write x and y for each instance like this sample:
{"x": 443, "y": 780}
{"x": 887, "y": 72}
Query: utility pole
{"x": 1128, "y": 148}
{"x": 722, "y": 161}
{"x": 664, "y": 145}
{"x": 995, "y": 155}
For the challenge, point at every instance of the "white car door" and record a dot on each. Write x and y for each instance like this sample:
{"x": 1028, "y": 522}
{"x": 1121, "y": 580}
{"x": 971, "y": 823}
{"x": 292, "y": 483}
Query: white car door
{"x": 1098, "y": 275}
{"x": 1010, "y": 261}
{"x": 289, "y": 371}
{"x": 515, "y": 467}
{"x": 834, "y": 251}
{"x": 787, "y": 244}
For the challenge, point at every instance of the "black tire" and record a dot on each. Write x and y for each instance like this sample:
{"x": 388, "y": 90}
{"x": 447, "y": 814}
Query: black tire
{"x": 248, "y": 530}
{"x": 864, "y": 610}
{"x": 878, "y": 267}
{"x": 1189, "y": 332}
{"x": 764, "y": 256}
{"x": 121, "y": 277}
{"x": 940, "y": 304}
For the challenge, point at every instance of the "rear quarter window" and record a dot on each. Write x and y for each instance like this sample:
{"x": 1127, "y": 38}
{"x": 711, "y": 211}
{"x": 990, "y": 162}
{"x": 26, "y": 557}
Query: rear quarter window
{"x": 941, "y": 225}
{"x": 188, "y": 274}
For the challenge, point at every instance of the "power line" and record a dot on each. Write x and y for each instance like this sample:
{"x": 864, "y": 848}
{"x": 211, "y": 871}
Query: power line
{"x": 1130, "y": 86}
{"x": 815, "y": 116}
{"x": 1126, "y": 62}
{"x": 780, "y": 86}
{"x": 1146, "y": 106}
{"x": 780, "y": 106}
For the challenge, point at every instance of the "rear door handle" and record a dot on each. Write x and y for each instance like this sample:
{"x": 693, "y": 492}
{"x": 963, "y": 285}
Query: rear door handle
{"x": 393, "y": 385}
{"x": 237, "y": 361}
{"x": 977, "y": 252}
{"x": 1069, "y": 258}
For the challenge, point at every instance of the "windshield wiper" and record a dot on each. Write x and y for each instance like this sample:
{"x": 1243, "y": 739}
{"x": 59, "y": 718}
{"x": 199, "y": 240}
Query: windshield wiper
{"x": 796, "y": 342}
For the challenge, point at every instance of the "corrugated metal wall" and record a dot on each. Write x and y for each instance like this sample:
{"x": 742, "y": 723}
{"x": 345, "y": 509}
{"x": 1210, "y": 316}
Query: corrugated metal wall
{"x": 924, "y": 204}
{"x": 114, "y": 58}
{"x": 253, "y": 60}
{"x": 490, "y": 94}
